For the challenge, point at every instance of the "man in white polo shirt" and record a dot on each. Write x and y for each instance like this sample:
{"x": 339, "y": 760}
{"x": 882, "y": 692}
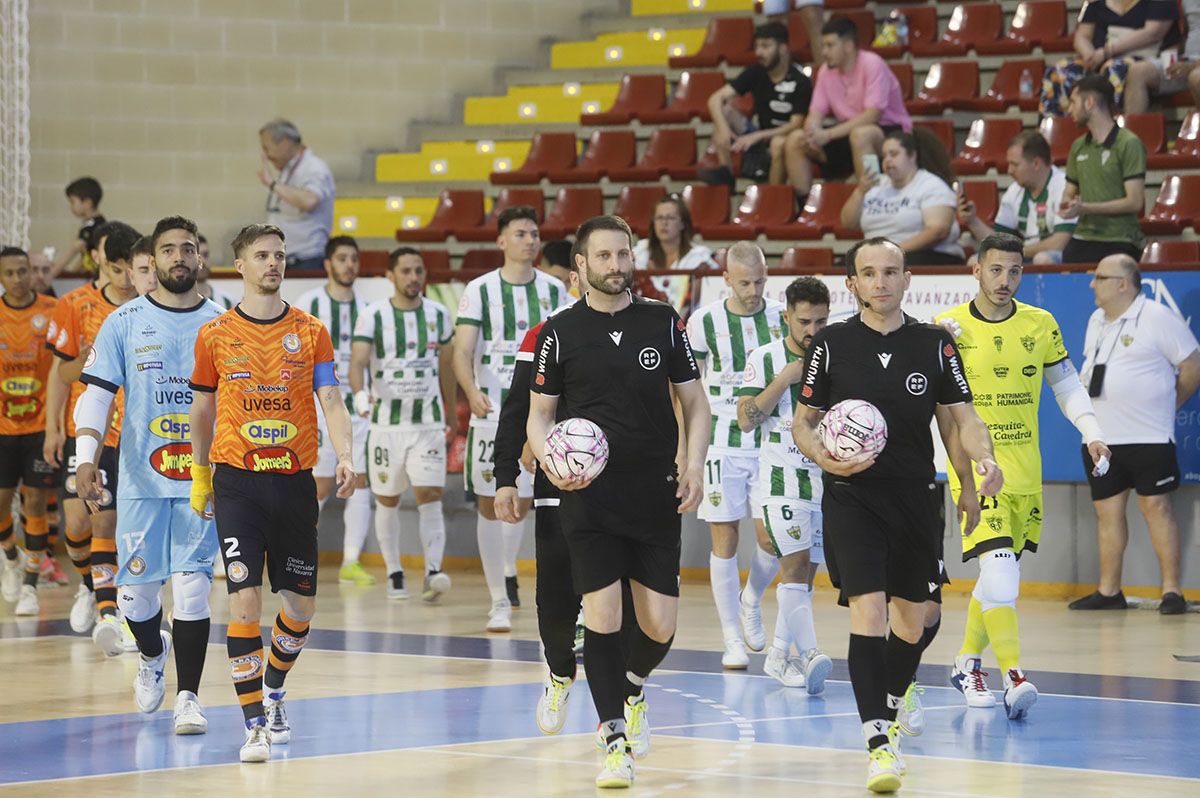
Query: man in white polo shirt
{"x": 1135, "y": 351}
{"x": 300, "y": 193}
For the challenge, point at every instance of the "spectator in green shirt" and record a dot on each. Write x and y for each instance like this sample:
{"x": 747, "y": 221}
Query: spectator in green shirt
{"x": 1106, "y": 177}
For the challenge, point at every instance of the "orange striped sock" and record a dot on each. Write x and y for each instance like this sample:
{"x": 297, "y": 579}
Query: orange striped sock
{"x": 35, "y": 546}
{"x": 104, "y": 574}
{"x": 287, "y": 639}
{"x": 244, "y": 643}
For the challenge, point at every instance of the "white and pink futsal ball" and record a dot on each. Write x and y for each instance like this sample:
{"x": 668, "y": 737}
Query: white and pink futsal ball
{"x": 576, "y": 447}
{"x": 853, "y": 426}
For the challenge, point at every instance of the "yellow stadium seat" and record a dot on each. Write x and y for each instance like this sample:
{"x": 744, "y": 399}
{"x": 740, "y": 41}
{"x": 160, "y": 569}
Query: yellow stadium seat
{"x": 379, "y": 217}
{"x": 646, "y": 8}
{"x": 534, "y": 105}
{"x": 650, "y": 47}
{"x": 450, "y": 161}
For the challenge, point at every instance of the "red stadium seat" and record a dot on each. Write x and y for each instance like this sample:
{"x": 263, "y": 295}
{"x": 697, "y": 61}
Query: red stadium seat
{"x": 986, "y": 197}
{"x": 986, "y": 145}
{"x": 821, "y": 214}
{"x": 728, "y": 39}
{"x": 507, "y": 198}
{"x": 636, "y": 204}
{"x": 922, "y": 30}
{"x": 708, "y": 160}
{"x": 1151, "y": 128}
{"x": 801, "y": 45}
{"x": 1187, "y": 146}
{"x": 607, "y": 149}
{"x": 1060, "y": 132}
{"x": 942, "y": 128}
{"x": 638, "y": 93}
{"x": 1171, "y": 253}
{"x": 1043, "y": 24}
{"x": 435, "y": 260}
{"x": 668, "y": 148}
{"x": 903, "y": 71}
{"x": 482, "y": 259}
{"x": 761, "y": 207}
{"x": 835, "y": 5}
{"x": 455, "y": 210}
{"x": 572, "y": 207}
{"x": 689, "y": 100}
{"x": 708, "y": 205}
{"x": 1177, "y": 206}
{"x": 806, "y": 258}
{"x": 970, "y": 25}
{"x": 1006, "y": 88}
{"x": 946, "y": 83}
{"x": 548, "y": 151}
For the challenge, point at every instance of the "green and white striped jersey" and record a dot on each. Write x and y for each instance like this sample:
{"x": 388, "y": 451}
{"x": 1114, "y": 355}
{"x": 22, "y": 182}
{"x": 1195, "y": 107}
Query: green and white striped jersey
{"x": 724, "y": 339}
{"x": 405, "y": 390}
{"x": 504, "y": 312}
{"x": 784, "y": 471}
{"x": 339, "y": 318}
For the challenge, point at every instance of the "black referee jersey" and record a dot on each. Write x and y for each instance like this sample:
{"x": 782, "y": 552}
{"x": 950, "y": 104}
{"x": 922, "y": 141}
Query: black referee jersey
{"x": 905, "y": 374}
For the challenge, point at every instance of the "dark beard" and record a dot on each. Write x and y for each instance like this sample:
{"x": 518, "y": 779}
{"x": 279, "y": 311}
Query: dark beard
{"x": 177, "y": 286}
{"x": 601, "y": 283}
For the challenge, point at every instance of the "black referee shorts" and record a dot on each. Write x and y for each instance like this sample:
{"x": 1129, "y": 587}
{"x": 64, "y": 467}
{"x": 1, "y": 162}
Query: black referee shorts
{"x": 267, "y": 517}
{"x": 882, "y": 538}
{"x": 624, "y": 525}
{"x": 21, "y": 462}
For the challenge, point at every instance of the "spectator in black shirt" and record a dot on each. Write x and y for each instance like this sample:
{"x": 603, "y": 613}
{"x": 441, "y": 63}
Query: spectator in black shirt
{"x": 83, "y": 196}
{"x": 774, "y": 153}
{"x": 882, "y": 514}
{"x": 615, "y": 360}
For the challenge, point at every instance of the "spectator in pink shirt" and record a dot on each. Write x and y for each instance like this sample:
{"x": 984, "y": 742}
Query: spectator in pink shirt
{"x": 862, "y": 93}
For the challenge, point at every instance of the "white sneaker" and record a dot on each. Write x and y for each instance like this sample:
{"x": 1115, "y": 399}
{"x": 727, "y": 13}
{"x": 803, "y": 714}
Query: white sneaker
{"x": 617, "y": 772}
{"x": 278, "y": 727}
{"x": 637, "y": 726}
{"x": 735, "y": 657}
{"x": 910, "y": 715}
{"x": 1019, "y": 694}
{"x": 895, "y": 735}
{"x": 189, "y": 715}
{"x": 83, "y": 611}
{"x": 883, "y": 772}
{"x": 969, "y": 679}
{"x": 148, "y": 686}
{"x": 396, "y": 590}
{"x": 435, "y": 585}
{"x": 12, "y": 576}
{"x": 552, "y": 705}
{"x": 27, "y": 604}
{"x": 108, "y": 636}
{"x": 257, "y": 747}
{"x": 783, "y": 668}
{"x": 500, "y": 616}
{"x": 816, "y": 667}
{"x": 753, "y": 631}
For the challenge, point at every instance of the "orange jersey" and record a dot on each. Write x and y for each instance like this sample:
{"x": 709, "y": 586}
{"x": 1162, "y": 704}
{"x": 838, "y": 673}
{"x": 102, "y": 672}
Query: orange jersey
{"x": 264, "y": 374}
{"x": 75, "y": 325}
{"x": 24, "y": 364}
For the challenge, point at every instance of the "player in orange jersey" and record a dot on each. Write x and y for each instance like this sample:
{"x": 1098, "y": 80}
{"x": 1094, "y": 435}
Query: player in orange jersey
{"x": 257, "y": 367}
{"x": 24, "y": 365}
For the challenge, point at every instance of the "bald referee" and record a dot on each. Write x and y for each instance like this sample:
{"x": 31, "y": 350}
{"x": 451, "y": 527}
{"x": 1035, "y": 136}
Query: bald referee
{"x": 881, "y": 514}
{"x": 615, "y": 359}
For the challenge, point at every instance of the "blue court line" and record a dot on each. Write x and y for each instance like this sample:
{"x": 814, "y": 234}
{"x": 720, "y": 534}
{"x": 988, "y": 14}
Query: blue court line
{"x": 1173, "y": 691}
{"x": 1064, "y": 731}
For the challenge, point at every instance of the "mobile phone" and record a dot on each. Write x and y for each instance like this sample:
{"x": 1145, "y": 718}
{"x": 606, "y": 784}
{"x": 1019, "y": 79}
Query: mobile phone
{"x": 870, "y": 164}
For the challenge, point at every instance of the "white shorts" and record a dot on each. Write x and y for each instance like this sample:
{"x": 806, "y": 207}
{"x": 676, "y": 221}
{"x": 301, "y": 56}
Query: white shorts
{"x": 327, "y": 458}
{"x": 397, "y": 458}
{"x": 478, "y": 475}
{"x": 729, "y": 481}
{"x": 793, "y": 526}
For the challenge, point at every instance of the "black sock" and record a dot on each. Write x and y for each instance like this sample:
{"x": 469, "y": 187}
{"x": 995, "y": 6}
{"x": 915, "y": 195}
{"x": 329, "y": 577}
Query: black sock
{"x": 557, "y": 631}
{"x": 903, "y": 658}
{"x": 644, "y": 656}
{"x": 930, "y": 633}
{"x": 867, "y": 659}
{"x": 191, "y": 647}
{"x": 605, "y": 672}
{"x": 147, "y": 634}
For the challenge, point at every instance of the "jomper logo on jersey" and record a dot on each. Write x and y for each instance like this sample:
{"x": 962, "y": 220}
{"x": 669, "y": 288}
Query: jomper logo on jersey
{"x": 276, "y": 459}
{"x": 173, "y": 461}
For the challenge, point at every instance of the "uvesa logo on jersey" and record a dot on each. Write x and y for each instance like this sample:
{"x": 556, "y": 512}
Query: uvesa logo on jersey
{"x": 276, "y": 459}
{"x": 270, "y": 431}
{"x": 173, "y": 461}
{"x": 254, "y": 403}
{"x": 173, "y": 426}
{"x": 21, "y": 386}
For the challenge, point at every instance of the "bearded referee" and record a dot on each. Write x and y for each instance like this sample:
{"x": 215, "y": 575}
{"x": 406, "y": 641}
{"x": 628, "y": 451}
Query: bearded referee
{"x": 615, "y": 359}
{"x": 881, "y": 513}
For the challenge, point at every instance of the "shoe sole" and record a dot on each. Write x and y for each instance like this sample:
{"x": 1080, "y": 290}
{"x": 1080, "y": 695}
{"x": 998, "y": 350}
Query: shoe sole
{"x": 735, "y": 666}
{"x": 499, "y": 629}
{"x": 254, "y": 756}
{"x": 886, "y": 782}
{"x": 109, "y": 641}
{"x": 82, "y": 629}
{"x": 1020, "y": 708}
{"x": 184, "y": 729}
{"x": 26, "y": 612}
{"x": 614, "y": 783}
{"x": 398, "y": 596}
{"x": 281, "y": 737}
{"x": 815, "y": 682}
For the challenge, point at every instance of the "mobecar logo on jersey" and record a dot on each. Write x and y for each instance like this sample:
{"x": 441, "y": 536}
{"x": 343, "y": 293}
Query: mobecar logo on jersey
{"x": 275, "y": 459}
{"x": 173, "y": 461}
{"x": 270, "y": 431}
{"x": 21, "y": 386}
{"x": 173, "y": 426}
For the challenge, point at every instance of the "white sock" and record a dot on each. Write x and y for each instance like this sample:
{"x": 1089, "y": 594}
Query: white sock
{"x": 763, "y": 567}
{"x": 795, "y": 607}
{"x": 433, "y": 534}
{"x": 513, "y": 534}
{"x": 725, "y": 584}
{"x": 783, "y": 635}
{"x": 356, "y": 518}
{"x": 491, "y": 553}
{"x": 387, "y": 532}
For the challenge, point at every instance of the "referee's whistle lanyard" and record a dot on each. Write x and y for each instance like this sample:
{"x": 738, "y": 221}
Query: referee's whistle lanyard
{"x": 285, "y": 174}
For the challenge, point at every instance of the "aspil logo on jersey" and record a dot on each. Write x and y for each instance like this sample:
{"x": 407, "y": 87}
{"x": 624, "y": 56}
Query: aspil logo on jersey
{"x": 173, "y": 461}
{"x": 266, "y": 404}
{"x": 269, "y": 431}
{"x": 276, "y": 459}
{"x": 173, "y": 426}
{"x": 21, "y": 386}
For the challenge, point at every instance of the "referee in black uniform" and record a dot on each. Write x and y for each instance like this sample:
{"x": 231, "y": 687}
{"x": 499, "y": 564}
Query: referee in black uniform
{"x": 882, "y": 513}
{"x": 614, "y": 359}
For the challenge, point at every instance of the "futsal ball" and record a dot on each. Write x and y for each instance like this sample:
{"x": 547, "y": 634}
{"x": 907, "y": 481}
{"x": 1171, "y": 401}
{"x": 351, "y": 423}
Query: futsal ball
{"x": 576, "y": 447}
{"x": 853, "y": 426}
